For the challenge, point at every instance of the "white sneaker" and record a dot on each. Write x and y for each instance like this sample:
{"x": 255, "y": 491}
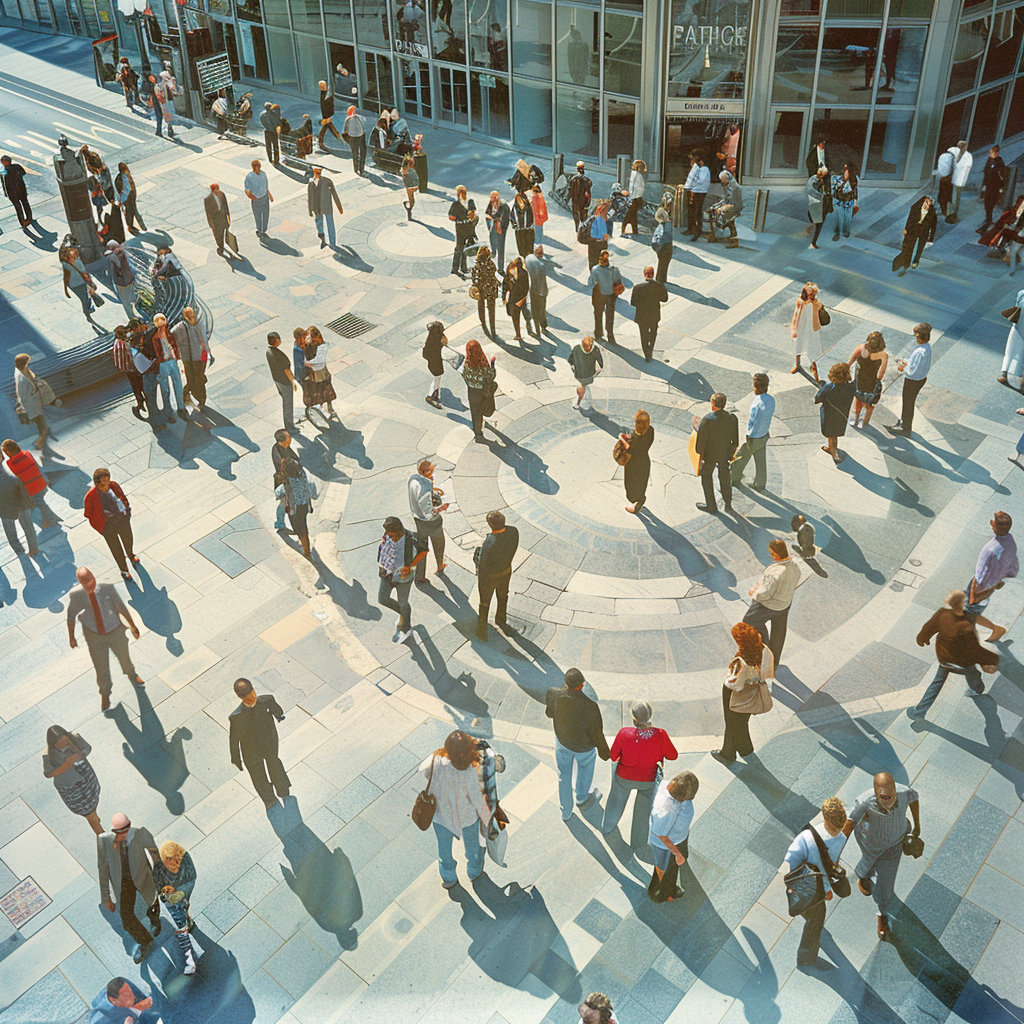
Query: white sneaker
{"x": 190, "y": 963}
{"x": 402, "y": 637}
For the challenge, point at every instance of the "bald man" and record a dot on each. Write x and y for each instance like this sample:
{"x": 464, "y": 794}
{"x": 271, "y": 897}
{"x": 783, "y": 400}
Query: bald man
{"x": 100, "y": 609}
{"x": 879, "y": 821}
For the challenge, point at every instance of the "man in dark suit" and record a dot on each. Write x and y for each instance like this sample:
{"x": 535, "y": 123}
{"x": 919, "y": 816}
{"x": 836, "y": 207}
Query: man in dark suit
{"x": 252, "y": 733}
{"x": 647, "y": 298}
{"x": 917, "y": 233}
{"x": 816, "y": 158}
{"x": 718, "y": 437}
{"x": 494, "y": 571}
{"x": 218, "y": 216}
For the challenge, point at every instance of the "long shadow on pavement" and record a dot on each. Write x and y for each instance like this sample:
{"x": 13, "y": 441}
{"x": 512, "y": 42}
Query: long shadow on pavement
{"x": 157, "y": 611}
{"x": 528, "y": 466}
{"x": 349, "y": 596}
{"x": 867, "y": 1006}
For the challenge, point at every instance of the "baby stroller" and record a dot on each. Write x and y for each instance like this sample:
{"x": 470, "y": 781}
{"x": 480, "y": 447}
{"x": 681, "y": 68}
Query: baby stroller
{"x": 525, "y": 176}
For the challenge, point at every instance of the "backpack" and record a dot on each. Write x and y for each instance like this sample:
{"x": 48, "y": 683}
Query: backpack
{"x": 583, "y": 235}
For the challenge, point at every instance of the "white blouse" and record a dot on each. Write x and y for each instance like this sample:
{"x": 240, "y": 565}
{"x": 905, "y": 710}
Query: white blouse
{"x": 747, "y": 674}
{"x": 319, "y": 360}
{"x": 460, "y": 800}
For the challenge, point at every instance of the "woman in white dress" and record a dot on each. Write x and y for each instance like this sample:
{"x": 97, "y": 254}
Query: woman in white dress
{"x": 806, "y": 327}
{"x": 1013, "y": 354}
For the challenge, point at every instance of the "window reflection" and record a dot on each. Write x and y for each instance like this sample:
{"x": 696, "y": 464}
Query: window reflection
{"x": 578, "y": 112}
{"x": 785, "y": 152}
{"x": 854, "y": 9}
{"x": 1005, "y": 43}
{"x": 621, "y": 128}
{"x": 312, "y": 65}
{"x": 531, "y": 104}
{"x": 306, "y": 16}
{"x": 411, "y": 28}
{"x": 955, "y": 119}
{"x": 276, "y": 13}
{"x": 794, "y": 64}
{"x": 449, "y": 28}
{"x": 800, "y": 8}
{"x": 848, "y": 60}
{"x": 577, "y": 46}
{"x": 970, "y": 45}
{"x": 338, "y": 19}
{"x": 489, "y": 95}
{"x": 910, "y": 9}
{"x": 986, "y": 118}
{"x": 531, "y": 40}
{"x": 890, "y": 138}
{"x": 902, "y": 59}
{"x": 372, "y": 22}
{"x": 488, "y": 34}
{"x": 1015, "y": 115}
{"x": 846, "y": 132}
{"x": 623, "y": 46}
{"x": 282, "y": 57}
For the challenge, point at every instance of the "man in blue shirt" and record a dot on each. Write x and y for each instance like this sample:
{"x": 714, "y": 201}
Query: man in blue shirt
{"x": 758, "y": 421}
{"x": 257, "y": 188}
{"x": 697, "y": 183}
{"x": 996, "y": 562}
{"x": 915, "y": 373}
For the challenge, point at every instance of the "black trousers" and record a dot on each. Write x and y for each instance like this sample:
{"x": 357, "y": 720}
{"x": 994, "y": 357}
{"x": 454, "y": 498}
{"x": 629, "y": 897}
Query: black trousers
{"x": 19, "y": 200}
{"x": 476, "y": 409}
{"x": 648, "y": 335}
{"x": 488, "y": 587}
{"x": 273, "y": 143}
{"x": 459, "y": 256}
{"x": 489, "y": 304}
{"x": 664, "y": 259}
{"x": 737, "y": 730}
{"x": 913, "y": 247}
{"x": 579, "y": 214}
{"x": 260, "y": 765}
{"x": 659, "y": 891}
{"x": 219, "y": 227}
{"x": 118, "y": 534}
{"x": 810, "y": 938}
{"x": 357, "y": 143}
{"x": 324, "y": 129}
{"x": 131, "y": 214}
{"x": 696, "y": 221}
{"x": 517, "y": 313}
{"x": 707, "y": 479}
{"x": 126, "y": 907}
{"x": 910, "y": 392}
{"x": 761, "y": 617}
{"x": 605, "y": 303}
{"x": 630, "y": 219}
{"x": 991, "y": 200}
{"x": 595, "y": 247}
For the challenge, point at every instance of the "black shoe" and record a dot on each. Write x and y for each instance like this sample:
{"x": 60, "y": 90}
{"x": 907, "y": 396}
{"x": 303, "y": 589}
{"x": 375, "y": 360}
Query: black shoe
{"x": 710, "y": 509}
{"x": 721, "y": 758}
{"x": 728, "y": 507}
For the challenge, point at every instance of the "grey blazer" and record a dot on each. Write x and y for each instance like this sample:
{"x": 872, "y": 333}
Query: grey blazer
{"x": 109, "y": 862}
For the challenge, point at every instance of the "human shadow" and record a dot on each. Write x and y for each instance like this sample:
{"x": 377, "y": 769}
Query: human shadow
{"x": 787, "y": 807}
{"x": 693, "y": 384}
{"x": 70, "y": 482}
{"x": 195, "y": 442}
{"x": 333, "y": 438}
{"x": 215, "y": 993}
{"x": 243, "y": 266}
{"x": 48, "y": 576}
{"x": 569, "y": 281}
{"x": 443, "y": 591}
{"x": 867, "y": 1006}
{"x": 213, "y": 420}
{"x": 527, "y": 465}
{"x": 158, "y": 759}
{"x": 633, "y": 882}
{"x": 843, "y": 549}
{"x": 788, "y": 689}
{"x": 323, "y": 879}
{"x": 278, "y": 246}
{"x": 301, "y": 176}
{"x": 898, "y": 492}
{"x": 8, "y": 595}
{"x": 349, "y": 596}
{"x": 690, "y": 561}
{"x": 159, "y": 613}
{"x": 748, "y": 530}
{"x": 692, "y": 259}
{"x": 347, "y": 256}
{"x": 460, "y": 690}
{"x": 692, "y": 296}
{"x": 45, "y": 240}
{"x": 537, "y": 672}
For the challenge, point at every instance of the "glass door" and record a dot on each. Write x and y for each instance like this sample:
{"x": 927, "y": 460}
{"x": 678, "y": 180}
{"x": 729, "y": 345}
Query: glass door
{"x": 453, "y": 95}
{"x": 414, "y": 97}
{"x": 378, "y": 88}
{"x": 619, "y": 128}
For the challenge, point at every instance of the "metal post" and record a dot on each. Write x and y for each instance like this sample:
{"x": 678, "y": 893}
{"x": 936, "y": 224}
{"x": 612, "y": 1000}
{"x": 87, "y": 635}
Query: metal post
{"x": 679, "y": 207}
{"x": 622, "y": 167}
{"x": 74, "y": 194}
{"x": 760, "y": 208}
{"x": 557, "y": 167}
{"x": 186, "y": 60}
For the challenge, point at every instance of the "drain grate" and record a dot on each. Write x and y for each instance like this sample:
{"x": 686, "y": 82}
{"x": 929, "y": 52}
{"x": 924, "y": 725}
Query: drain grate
{"x": 350, "y": 326}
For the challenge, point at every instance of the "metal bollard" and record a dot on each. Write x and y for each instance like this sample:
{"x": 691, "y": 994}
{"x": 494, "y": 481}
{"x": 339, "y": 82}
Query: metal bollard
{"x": 681, "y": 208}
{"x": 623, "y": 164}
{"x": 760, "y": 208}
{"x": 557, "y": 167}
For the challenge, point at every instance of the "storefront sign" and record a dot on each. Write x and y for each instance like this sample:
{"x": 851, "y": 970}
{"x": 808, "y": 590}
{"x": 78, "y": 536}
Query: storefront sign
{"x": 412, "y": 49}
{"x": 716, "y": 36}
{"x": 214, "y": 73}
{"x": 704, "y": 107}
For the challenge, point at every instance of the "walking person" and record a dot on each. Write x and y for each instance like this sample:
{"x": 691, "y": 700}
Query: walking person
{"x": 460, "y": 805}
{"x": 752, "y": 664}
{"x": 915, "y": 375}
{"x": 586, "y": 362}
{"x": 293, "y": 488}
{"x": 579, "y": 741}
{"x": 918, "y": 232}
{"x": 433, "y": 349}
{"x": 605, "y": 284}
{"x": 463, "y": 213}
{"x": 494, "y": 572}
{"x": 129, "y": 81}
{"x": 521, "y": 221}
{"x": 427, "y": 508}
{"x": 218, "y": 216}
{"x": 844, "y": 201}
{"x": 993, "y": 183}
{"x": 635, "y": 196}
{"x": 961, "y": 170}
{"x": 485, "y": 281}
{"x": 284, "y": 379}
{"x": 646, "y": 299}
{"x": 598, "y": 233}
{"x": 326, "y": 119}
{"x": 1013, "y": 353}
{"x": 30, "y": 392}
{"x": 771, "y": 598}
{"x": 639, "y": 751}
{"x": 161, "y": 99}
{"x": 193, "y": 346}
{"x": 127, "y": 196}
{"x": 496, "y": 217}
{"x": 147, "y": 364}
{"x": 718, "y": 438}
{"x": 515, "y": 290}
{"x": 759, "y": 421}
{"x": 125, "y": 855}
{"x": 317, "y": 386}
{"x": 12, "y": 178}
{"x": 879, "y": 823}
{"x": 165, "y": 349}
{"x": 354, "y": 133}
{"x": 103, "y": 616}
{"x": 257, "y": 189}
{"x": 669, "y": 834}
{"x": 805, "y": 327}
{"x": 410, "y": 182}
{"x": 538, "y": 277}
{"x": 808, "y": 847}
{"x": 122, "y": 277}
{"x": 697, "y": 183}
{"x": 80, "y": 281}
{"x": 637, "y": 472}
{"x": 270, "y": 120}
{"x": 175, "y": 876}
{"x": 819, "y": 200}
{"x": 398, "y": 554}
{"x": 835, "y": 396}
{"x": 16, "y": 507}
{"x": 66, "y": 761}
{"x": 321, "y": 198}
{"x": 725, "y": 212}
{"x": 540, "y": 214}
{"x": 121, "y": 1001}
{"x": 872, "y": 361}
{"x": 663, "y": 243}
{"x": 579, "y": 186}
{"x": 25, "y": 467}
{"x": 997, "y": 562}
{"x": 479, "y": 374}
{"x": 252, "y": 739}
{"x": 109, "y": 514}
{"x": 957, "y": 649}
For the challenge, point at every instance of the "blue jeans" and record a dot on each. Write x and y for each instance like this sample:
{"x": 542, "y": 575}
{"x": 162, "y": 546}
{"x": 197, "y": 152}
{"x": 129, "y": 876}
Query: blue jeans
{"x": 498, "y": 248}
{"x": 170, "y": 377}
{"x": 616, "y": 804}
{"x": 844, "y": 218}
{"x": 320, "y": 218}
{"x": 971, "y": 673}
{"x": 564, "y": 759}
{"x": 261, "y": 213}
{"x": 474, "y": 851}
{"x": 538, "y": 234}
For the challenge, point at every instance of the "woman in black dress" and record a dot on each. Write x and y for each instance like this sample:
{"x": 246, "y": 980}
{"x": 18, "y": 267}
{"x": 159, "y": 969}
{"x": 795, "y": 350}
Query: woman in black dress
{"x": 515, "y": 290}
{"x": 638, "y": 470}
{"x": 432, "y": 347}
{"x": 65, "y": 761}
{"x": 835, "y": 396}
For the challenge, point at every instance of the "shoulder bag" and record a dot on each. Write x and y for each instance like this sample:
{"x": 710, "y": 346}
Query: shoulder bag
{"x": 426, "y": 804}
{"x": 823, "y": 318}
{"x": 752, "y": 699}
{"x": 620, "y": 453}
{"x": 618, "y": 287}
{"x": 474, "y": 292}
{"x": 805, "y": 888}
{"x": 1012, "y": 314}
{"x": 836, "y": 874}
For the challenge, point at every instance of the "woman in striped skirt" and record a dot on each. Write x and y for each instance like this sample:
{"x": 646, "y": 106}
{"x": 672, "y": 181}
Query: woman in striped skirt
{"x": 65, "y": 762}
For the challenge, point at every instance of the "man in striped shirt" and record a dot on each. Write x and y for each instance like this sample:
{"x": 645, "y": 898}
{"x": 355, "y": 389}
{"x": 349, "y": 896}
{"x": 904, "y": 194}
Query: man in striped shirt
{"x": 879, "y": 820}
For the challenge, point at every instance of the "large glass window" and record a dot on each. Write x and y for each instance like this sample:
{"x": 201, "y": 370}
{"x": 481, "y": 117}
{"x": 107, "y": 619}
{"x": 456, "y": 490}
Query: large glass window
{"x": 282, "y": 57}
{"x": 955, "y": 119}
{"x": 846, "y": 130}
{"x": 338, "y": 20}
{"x": 890, "y": 139}
{"x": 850, "y": 10}
{"x": 488, "y": 35}
{"x": 708, "y": 54}
{"x": 489, "y": 95}
{"x": 910, "y": 9}
{"x": 799, "y": 9}
{"x": 452, "y": 95}
{"x": 415, "y": 98}
{"x": 450, "y": 32}
{"x": 579, "y": 121}
{"x": 902, "y": 59}
{"x": 986, "y": 118}
{"x": 970, "y": 45}
{"x": 531, "y": 104}
{"x": 372, "y": 26}
{"x": 623, "y": 50}
{"x": 275, "y": 12}
{"x": 380, "y": 91}
{"x": 620, "y": 129}
{"x": 1005, "y": 44}
{"x": 312, "y": 65}
{"x": 794, "y": 64}
{"x": 411, "y": 27}
{"x": 531, "y": 40}
{"x": 577, "y": 45}
{"x": 785, "y": 152}
{"x": 849, "y": 57}
{"x": 1015, "y": 115}
{"x": 306, "y": 16}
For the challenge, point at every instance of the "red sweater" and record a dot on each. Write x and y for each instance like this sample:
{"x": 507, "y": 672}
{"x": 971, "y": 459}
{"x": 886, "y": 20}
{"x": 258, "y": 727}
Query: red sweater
{"x": 638, "y": 758}
{"x": 94, "y": 506}
{"x": 27, "y": 470}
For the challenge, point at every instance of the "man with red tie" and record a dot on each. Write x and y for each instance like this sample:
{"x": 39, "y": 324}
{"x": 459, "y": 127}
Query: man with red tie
{"x": 100, "y": 609}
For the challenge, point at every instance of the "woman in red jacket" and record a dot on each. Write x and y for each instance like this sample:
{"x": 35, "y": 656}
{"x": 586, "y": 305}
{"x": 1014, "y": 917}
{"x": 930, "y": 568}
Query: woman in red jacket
{"x": 639, "y": 751}
{"x": 24, "y": 466}
{"x": 108, "y": 511}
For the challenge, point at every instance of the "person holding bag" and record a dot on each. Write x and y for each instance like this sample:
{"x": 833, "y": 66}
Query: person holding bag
{"x": 33, "y": 394}
{"x": 744, "y": 692}
{"x": 175, "y": 875}
{"x": 1013, "y": 353}
{"x": 810, "y": 851}
{"x": 478, "y": 373}
{"x": 485, "y": 281}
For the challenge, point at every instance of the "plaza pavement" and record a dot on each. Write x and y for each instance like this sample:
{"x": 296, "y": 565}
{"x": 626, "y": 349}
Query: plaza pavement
{"x": 330, "y": 908}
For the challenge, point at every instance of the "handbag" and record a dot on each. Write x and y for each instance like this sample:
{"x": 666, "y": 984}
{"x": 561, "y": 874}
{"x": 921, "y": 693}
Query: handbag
{"x": 913, "y": 845}
{"x": 620, "y": 453}
{"x": 805, "y": 888}
{"x": 752, "y": 699}
{"x": 618, "y": 288}
{"x": 230, "y": 239}
{"x": 474, "y": 292}
{"x": 496, "y": 839}
{"x": 22, "y": 416}
{"x": 823, "y": 317}
{"x": 46, "y": 394}
{"x": 1012, "y": 314}
{"x": 426, "y": 804}
{"x": 836, "y": 874}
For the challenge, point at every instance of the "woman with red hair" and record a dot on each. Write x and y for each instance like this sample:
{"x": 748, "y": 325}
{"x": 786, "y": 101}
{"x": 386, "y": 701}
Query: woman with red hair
{"x": 478, "y": 373}
{"x": 753, "y": 662}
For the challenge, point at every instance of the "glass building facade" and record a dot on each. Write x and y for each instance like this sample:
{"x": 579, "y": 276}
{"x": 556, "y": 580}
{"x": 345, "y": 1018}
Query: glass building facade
{"x": 891, "y": 83}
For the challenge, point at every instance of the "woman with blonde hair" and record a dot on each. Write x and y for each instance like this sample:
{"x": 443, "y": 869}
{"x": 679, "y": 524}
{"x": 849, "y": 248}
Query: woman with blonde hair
{"x": 30, "y": 393}
{"x": 753, "y": 661}
{"x": 637, "y": 471}
{"x": 872, "y": 360}
{"x": 317, "y": 388}
{"x": 805, "y": 327}
{"x": 175, "y": 876}
{"x": 635, "y": 195}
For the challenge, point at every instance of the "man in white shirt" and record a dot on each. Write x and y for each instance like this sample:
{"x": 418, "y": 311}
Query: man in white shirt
{"x": 697, "y": 183}
{"x": 427, "y": 516}
{"x": 772, "y": 596}
{"x": 962, "y": 162}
